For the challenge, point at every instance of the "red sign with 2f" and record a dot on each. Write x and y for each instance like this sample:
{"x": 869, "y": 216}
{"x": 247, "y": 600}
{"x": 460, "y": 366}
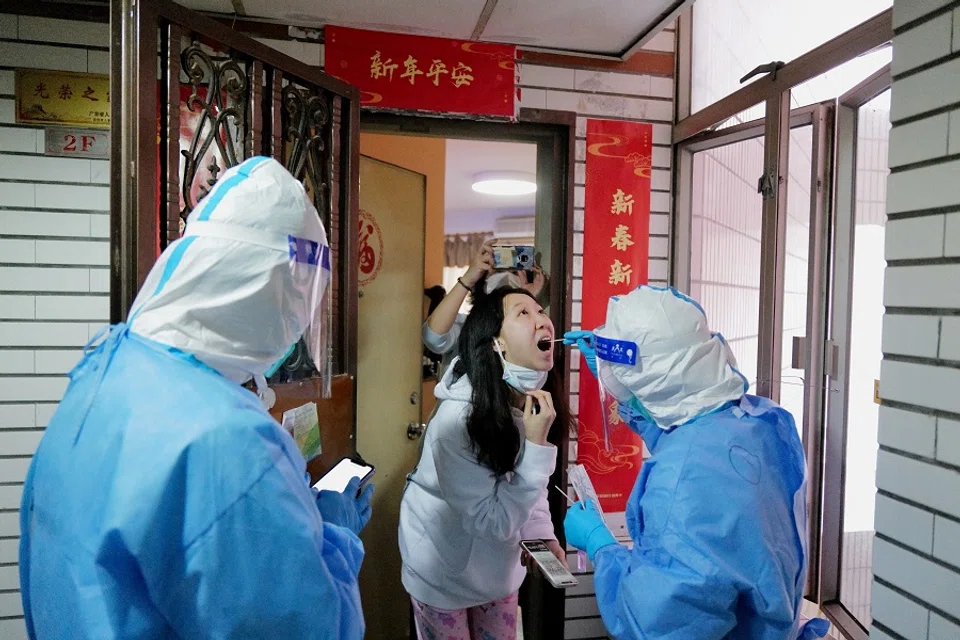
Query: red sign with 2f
{"x": 83, "y": 143}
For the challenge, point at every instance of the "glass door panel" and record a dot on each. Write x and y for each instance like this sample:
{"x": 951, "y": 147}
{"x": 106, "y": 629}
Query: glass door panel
{"x": 725, "y": 245}
{"x": 859, "y": 486}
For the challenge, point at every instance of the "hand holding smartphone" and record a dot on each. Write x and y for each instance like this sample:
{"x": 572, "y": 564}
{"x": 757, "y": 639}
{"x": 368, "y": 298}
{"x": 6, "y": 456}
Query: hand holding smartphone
{"x": 511, "y": 257}
{"x": 340, "y": 474}
{"x": 549, "y": 565}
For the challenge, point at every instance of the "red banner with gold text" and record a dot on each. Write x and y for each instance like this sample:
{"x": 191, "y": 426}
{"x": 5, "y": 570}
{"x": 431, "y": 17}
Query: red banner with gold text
{"x": 396, "y": 71}
{"x": 616, "y": 247}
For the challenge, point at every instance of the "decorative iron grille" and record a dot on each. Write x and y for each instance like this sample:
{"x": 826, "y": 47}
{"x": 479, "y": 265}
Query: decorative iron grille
{"x": 219, "y": 95}
{"x": 307, "y": 129}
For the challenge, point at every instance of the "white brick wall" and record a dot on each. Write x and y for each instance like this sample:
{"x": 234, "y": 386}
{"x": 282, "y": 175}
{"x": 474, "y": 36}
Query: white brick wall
{"x": 917, "y": 548}
{"x": 54, "y": 258}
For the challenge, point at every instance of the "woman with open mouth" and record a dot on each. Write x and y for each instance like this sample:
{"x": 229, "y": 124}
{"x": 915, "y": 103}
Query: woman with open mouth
{"x": 481, "y": 484}
{"x": 441, "y": 331}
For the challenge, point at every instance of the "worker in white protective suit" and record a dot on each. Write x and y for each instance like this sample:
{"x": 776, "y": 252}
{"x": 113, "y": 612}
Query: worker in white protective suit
{"x": 718, "y": 514}
{"x": 164, "y": 501}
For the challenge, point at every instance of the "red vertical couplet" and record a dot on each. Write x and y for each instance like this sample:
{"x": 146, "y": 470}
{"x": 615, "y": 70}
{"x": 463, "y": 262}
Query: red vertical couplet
{"x": 616, "y": 248}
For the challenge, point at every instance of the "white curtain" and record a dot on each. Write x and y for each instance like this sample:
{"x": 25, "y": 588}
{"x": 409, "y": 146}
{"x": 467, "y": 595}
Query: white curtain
{"x": 460, "y": 249}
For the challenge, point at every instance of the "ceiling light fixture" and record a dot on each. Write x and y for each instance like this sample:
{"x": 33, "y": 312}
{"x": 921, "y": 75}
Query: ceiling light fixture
{"x": 504, "y": 183}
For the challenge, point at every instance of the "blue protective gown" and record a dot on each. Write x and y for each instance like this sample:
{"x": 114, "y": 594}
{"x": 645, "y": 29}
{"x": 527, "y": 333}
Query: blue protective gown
{"x": 164, "y": 502}
{"x": 718, "y": 521}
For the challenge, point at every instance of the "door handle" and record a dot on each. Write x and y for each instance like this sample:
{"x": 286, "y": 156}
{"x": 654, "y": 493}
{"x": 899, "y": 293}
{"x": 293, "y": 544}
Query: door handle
{"x": 799, "y": 360}
{"x": 831, "y": 356}
{"x": 831, "y": 364}
{"x": 415, "y": 430}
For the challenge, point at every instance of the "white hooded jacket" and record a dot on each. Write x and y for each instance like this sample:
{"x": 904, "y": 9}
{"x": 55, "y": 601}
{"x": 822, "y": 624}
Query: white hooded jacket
{"x": 460, "y": 524}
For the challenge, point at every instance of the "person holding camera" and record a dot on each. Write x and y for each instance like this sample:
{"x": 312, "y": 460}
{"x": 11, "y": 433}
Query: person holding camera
{"x": 441, "y": 331}
{"x": 481, "y": 483}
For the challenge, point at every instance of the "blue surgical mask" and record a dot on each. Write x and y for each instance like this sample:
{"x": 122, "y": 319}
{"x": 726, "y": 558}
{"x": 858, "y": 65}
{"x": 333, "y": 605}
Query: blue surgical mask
{"x": 520, "y": 378}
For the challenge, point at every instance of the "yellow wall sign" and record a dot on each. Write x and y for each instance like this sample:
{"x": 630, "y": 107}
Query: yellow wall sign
{"x": 63, "y": 98}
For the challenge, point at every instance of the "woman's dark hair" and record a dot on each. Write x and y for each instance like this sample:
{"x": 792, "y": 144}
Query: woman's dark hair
{"x": 435, "y": 294}
{"x": 494, "y": 437}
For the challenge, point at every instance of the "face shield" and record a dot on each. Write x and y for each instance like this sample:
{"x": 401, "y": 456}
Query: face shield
{"x": 310, "y": 269}
{"x": 657, "y": 356}
{"x": 308, "y": 264}
{"x": 621, "y": 361}
{"x": 612, "y": 352}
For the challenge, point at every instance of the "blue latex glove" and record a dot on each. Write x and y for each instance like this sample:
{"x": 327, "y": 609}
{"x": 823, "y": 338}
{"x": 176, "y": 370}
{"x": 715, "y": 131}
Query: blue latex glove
{"x": 815, "y": 629}
{"x": 584, "y": 342}
{"x": 586, "y": 530}
{"x": 347, "y": 509}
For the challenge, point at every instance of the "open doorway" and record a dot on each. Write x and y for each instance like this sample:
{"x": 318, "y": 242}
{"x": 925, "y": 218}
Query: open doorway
{"x": 489, "y": 193}
{"x": 423, "y": 213}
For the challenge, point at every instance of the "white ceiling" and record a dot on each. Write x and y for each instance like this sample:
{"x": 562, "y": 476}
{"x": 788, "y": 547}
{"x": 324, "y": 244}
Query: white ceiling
{"x": 601, "y": 26}
{"x": 468, "y": 211}
{"x": 427, "y": 17}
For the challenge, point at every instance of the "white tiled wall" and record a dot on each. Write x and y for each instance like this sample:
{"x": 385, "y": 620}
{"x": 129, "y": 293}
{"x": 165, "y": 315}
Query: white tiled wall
{"x": 54, "y": 258}
{"x": 917, "y": 548}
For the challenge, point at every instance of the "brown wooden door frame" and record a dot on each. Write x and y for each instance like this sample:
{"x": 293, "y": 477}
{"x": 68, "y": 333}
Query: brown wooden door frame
{"x": 554, "y": 133}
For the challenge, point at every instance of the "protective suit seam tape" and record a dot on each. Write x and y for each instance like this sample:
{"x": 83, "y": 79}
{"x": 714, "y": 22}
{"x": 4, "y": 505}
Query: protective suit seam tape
{"x": 226, "y": 510}
{"x": 176, "y": 258}
{"x": 214, "y": 198}
{"x": 209, "y": 229}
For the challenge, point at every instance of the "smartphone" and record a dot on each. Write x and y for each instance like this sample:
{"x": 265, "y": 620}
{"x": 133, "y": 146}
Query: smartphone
{"x": 516, "y": 256}
{"x": 551, "y": 568}
{"x": 340, "y": 474}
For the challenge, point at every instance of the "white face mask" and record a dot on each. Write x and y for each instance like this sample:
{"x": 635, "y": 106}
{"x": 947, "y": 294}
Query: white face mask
{"x": 520, "y": 378}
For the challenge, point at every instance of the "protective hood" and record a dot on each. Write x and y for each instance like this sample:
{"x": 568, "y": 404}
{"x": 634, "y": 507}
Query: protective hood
{"x": 248, "y": 278}
{"x": 657, "y": 355}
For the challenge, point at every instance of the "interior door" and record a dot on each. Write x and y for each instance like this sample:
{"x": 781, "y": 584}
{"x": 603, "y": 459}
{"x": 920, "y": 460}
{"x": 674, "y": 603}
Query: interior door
{"x": 391, "y": 242}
